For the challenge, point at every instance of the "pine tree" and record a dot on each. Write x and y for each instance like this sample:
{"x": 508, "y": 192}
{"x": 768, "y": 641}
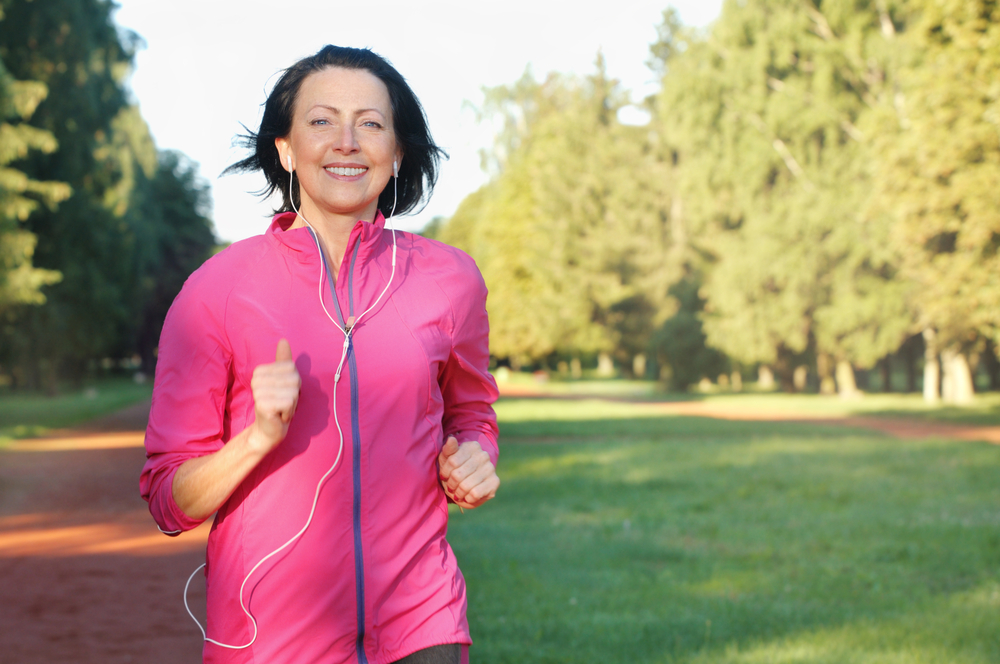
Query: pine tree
{"x": 762, "y": 116}
{"x": 571, "y": 231}
{"x": 20, "y": 280}
{"x": 137, "y": 221}
{"x": 939, "y": 180}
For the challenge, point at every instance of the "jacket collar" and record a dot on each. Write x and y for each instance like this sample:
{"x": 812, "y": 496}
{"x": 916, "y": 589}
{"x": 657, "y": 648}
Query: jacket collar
{"x": 299, "y": 242}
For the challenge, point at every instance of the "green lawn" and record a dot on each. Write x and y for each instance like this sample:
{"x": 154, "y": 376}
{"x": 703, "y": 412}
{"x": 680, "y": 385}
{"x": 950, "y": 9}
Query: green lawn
{"x": 985, "y": 410}
{"x": 25, "y": 415}
{"x": 623, "y": 535}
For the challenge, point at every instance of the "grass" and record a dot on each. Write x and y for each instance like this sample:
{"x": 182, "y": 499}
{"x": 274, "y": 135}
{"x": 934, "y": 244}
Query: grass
{"x": 625, "y": 535}
{"x": 25, "y": 415}
{"x": 984, "y": 411}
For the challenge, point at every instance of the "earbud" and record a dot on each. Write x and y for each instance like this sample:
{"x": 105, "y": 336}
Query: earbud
{"x": 395, "y": 168}
{"x": 289, "y": 159}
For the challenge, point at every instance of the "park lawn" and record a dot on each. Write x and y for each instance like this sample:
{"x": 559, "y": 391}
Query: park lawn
{"x": 984, "y": 411}
{"x": 625, "y": 535}
{"x": 23, "y": 415}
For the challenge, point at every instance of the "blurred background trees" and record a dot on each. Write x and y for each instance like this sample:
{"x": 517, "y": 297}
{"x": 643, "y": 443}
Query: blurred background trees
{"x": 814, "y": 199}
{"x": 99, "y": 229}
{"x": 817, "y": 192}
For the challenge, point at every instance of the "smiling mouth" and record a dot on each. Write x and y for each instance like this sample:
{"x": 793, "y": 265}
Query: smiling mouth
{"x": 339, "y": 170}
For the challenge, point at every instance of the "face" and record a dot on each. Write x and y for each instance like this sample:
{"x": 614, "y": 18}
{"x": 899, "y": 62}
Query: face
{"x": 342, "y": 144}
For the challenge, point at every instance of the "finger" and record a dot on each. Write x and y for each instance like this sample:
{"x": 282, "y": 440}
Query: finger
{"x": 480, "y": 493}
{"x": 450, "y": 447}
{"x": 451, "y": 465}
{"x": 474, "y": 475}
{"x": 447, "y": 459}
{"x": 283, "y": 352}
{"x": 465, "y": 465}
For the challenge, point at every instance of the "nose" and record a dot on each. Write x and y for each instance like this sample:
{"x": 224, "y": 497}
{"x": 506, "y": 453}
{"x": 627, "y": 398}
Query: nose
{"x": 346, "y": 141}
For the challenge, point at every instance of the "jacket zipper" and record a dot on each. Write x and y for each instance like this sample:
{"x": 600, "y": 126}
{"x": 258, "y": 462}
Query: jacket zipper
{"x": 359, "y": 562}
{"x": 352, "y": 370}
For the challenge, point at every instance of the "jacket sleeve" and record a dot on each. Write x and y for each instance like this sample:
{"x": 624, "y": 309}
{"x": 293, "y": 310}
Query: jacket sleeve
{"x": 189, "y": 398}
{"x": 467, "y": 387}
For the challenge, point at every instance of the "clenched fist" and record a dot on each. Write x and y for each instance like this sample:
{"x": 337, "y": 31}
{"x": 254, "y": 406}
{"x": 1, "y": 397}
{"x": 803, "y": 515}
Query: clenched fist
{"x": 275, "y": 390}
{"x": 467, "y": 474}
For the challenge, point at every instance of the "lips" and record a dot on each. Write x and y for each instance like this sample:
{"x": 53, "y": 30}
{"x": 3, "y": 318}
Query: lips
{"x": 348, "y": 171}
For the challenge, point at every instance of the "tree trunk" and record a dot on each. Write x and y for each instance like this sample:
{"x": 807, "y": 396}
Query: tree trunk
{"x": 800, "y": 377}
{"x": 957, "y": 387}
{"x": 911, "y": 368}
{"x": 639, "y": 367}
{"x": 992, "y": 365}
{"x": 736, "y": 380}
{"x": 824, "y": 369}
{"x": 932, "y": 372}
{"x": 846, "y": 386}
{"x": 605, "y": 367}
{"x": 765, "y": 377}
{"x": 885, "y": 369}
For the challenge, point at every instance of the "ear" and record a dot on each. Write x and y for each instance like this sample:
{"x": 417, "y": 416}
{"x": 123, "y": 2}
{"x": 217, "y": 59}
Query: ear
{"x": 284, "y": 152}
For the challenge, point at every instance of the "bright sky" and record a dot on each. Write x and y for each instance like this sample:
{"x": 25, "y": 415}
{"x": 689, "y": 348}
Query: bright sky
{"x": 207, "y": 65}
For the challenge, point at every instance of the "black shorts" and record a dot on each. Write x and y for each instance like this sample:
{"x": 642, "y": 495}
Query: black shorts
{"x": 447, "y": 654}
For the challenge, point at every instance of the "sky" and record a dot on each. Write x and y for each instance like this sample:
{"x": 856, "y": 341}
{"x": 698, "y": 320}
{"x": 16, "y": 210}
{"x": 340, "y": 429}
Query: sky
{"x": 206, "y": 66}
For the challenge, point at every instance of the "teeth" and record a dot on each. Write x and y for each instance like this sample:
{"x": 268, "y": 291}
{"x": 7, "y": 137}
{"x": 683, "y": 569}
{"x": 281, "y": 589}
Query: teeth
{"x": 336, "y": 170}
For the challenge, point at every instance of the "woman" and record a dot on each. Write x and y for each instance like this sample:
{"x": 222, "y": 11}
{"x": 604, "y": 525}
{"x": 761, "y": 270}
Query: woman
{"x": 323, "y": 389}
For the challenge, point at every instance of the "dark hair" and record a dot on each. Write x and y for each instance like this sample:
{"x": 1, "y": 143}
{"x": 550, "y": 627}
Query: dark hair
{"x": 419, "y": 169}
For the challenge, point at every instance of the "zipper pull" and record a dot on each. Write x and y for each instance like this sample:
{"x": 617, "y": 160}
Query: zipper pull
{"x": 340, "y": 367}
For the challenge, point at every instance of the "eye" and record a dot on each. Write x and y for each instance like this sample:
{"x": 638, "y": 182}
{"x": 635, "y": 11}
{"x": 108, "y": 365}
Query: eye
{"x": 371, "y": 123}
{"x": 319, "y": 121}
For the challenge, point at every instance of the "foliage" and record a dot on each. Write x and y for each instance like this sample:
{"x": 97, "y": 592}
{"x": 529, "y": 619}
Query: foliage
{"x": 571, "y": 232}
{"x": 680, "y": 342}
{"x": 763, "y": 119}
{"x": 135, "y": 219}
{"x": 171, "y": 237}
{"x": 20, "y": 281}
{"x": 939, "y": 175}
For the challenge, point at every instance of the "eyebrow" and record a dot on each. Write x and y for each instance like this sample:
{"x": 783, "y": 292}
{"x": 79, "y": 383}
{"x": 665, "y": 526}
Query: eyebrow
{"x": 337, "y": 110}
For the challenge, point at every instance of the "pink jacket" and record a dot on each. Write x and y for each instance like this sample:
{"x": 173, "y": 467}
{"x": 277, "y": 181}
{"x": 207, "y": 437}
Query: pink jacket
{"x": 373, "y": 578}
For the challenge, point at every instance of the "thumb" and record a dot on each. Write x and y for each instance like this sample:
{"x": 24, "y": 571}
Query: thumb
{"x": 450, "y": 447}
{"x": 284, "y": 352}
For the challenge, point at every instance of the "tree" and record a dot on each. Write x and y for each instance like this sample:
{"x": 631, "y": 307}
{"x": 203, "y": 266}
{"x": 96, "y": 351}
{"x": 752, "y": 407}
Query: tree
{"x": 939, "y": 181}
{"x": 137, "y": 221}
{"x": 571, "y": 231}
{"x": 20, "y": 280}
{"x": 762, "y": 118}
{"x": 76, "y": 51}
{"x": 171, "y": 237}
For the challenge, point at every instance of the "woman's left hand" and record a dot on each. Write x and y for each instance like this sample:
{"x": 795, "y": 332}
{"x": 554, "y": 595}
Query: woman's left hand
{"x": 468, "y": 476}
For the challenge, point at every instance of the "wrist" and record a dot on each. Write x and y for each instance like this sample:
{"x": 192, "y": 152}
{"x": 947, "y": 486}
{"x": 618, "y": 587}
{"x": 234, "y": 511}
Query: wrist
{"x": 257, "y": 442}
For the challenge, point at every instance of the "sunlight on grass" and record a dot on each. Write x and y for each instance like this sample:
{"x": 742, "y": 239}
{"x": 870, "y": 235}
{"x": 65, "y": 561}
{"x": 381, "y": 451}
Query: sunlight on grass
{"x": 29, "y": 415}
{"x": 951, "y": 630}
{"x": 985, "y": 409}
{"x": 631, "y": 536}
{"x": 527, "y": 410}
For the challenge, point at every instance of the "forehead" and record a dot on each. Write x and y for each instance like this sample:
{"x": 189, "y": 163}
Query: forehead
{"x": 347, "y": 90}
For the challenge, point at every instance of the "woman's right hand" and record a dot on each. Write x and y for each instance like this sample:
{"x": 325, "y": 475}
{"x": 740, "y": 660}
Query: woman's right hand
{"x": 275, "y": 389}
{"x": 202, "y": 484}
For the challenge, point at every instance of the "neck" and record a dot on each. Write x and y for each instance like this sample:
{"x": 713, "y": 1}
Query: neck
{"x": 333, "y": 231}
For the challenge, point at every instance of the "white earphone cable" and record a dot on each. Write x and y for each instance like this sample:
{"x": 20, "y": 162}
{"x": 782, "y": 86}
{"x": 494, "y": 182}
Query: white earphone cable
{"x": 343, "y": 357}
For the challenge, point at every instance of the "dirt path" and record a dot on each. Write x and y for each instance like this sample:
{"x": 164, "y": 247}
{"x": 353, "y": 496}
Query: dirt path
{"x": 907, "y": 429}
{"x": 86, "y": 576}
